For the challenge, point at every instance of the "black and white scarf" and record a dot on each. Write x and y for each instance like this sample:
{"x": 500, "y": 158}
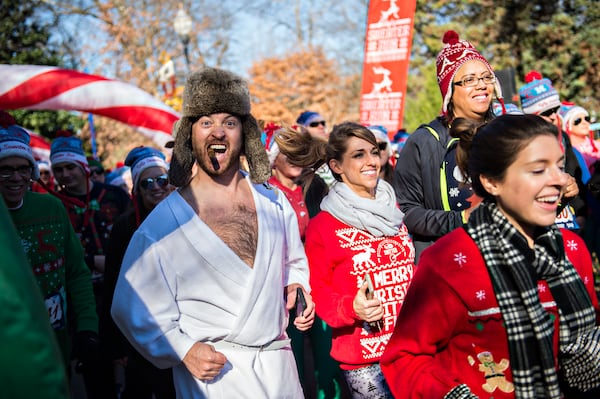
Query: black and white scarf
{"x": 515, "y": 269}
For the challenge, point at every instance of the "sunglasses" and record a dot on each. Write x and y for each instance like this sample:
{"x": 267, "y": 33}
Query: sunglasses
{"x": 44, "y": 173}
{"x": 580, "y": 119}
{"x": 162, "y": 181}
{"x": 96, "y": 172}
{"x": 382, "y": 146}
{"x": 549, "y": 112}
{"x": 315, "y": 124}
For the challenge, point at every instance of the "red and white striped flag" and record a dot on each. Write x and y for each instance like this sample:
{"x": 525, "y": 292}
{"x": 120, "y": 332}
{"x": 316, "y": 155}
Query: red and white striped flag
{"x": 53, "y": 88}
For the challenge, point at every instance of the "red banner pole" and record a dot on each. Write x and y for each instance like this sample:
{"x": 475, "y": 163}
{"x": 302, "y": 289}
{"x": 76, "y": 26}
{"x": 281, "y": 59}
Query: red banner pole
{"x": 385, "y": 67}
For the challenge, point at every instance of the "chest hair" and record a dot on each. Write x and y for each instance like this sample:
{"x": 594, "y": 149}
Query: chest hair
{"x": 237, "y": 226}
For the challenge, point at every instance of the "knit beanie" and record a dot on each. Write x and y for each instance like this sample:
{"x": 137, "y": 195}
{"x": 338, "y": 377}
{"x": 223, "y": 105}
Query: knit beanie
{"x": 509, "y": 108}
{"x": 567, "y": 112}
{"x": 307, "y": 117}
{"x": 207, "y": 92}
{"x": 453, "y": 55}
{"x": 538, "y": 95}
{"x": 44, "y": 165}
{"x": 67, "y": 148}
{"x": 14, "y": 142}
{"x": 142, "y": 158}
{"x": 116, "y": 177}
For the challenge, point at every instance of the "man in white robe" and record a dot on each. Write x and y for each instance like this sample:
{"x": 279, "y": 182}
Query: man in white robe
{"x": 209, "y": 277}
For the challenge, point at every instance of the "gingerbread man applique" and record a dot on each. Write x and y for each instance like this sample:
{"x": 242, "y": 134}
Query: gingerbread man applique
{"x": 492, "y": 371}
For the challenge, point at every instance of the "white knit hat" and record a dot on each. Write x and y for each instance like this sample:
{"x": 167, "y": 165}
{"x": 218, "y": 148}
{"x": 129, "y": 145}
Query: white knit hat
{"x": 14, "y": 142}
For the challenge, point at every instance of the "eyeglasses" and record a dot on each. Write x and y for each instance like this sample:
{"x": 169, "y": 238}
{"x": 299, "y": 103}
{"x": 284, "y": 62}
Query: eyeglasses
{"x": 471, "y": 80}
{"x": 315, "y": 124}
{"x": 549, "y": 112}
{"x": 24, "y": 171}
{"x": 382, "y": 146}
{"x": 162, "y": 181}
{"x": 580, "y": 119}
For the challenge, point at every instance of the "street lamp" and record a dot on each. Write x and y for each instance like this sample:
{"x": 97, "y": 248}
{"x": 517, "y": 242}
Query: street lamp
{"x": 183, "y": 27}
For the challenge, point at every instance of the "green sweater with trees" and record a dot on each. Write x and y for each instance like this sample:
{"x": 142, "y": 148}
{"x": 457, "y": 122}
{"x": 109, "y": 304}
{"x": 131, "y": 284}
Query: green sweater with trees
{"x": 56, "y": 257}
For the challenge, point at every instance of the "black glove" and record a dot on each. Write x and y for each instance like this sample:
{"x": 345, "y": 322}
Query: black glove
{"x": 86, "y": 348}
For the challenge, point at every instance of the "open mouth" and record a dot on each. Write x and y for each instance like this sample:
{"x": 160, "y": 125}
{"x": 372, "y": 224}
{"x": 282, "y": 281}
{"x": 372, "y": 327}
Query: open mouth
{"x": 216, "y": 149}
{"x": 549, "y": 199}
{"x": 212, "y": 151}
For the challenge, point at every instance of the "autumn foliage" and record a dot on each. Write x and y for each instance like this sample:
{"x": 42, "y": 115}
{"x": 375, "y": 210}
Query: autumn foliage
{"x": 283, "y": 87}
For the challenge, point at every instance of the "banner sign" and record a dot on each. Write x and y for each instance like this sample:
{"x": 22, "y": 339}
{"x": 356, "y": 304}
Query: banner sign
{"x": 385, "y": 68}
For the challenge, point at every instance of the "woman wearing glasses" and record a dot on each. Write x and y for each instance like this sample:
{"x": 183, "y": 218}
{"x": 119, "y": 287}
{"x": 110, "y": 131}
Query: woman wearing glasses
{"x": 575, "y": 122}
{"x": 314, "y": 123}
{"x": 468, "y": 87}
{"x": 150, "y": 186}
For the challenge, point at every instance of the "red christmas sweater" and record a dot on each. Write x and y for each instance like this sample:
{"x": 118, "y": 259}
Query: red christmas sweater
{"x": 451, "y": 332}
{"x": 296, "y": 199}
{"x": 339, "y": 256}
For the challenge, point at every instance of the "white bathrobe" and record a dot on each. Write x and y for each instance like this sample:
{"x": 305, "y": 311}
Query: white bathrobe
{"x": 180, "y": 283}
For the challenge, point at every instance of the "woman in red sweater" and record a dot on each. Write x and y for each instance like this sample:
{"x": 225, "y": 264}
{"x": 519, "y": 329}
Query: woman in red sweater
{"x": 361, "y": 259}
{"x": 503, "y": 307}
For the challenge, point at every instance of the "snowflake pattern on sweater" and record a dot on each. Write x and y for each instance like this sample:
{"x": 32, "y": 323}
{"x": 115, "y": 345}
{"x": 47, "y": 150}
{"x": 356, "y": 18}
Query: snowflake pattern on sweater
{"x": 340, "y": 256}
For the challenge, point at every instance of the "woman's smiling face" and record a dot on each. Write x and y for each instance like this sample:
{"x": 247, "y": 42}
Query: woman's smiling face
{"x": 531, "y": 189}
{"x": 359, "y": 166}
{"x": 472, "y": 102}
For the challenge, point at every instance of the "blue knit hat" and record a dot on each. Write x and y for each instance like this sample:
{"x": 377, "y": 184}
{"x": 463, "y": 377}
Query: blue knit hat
{"x": 307, "y": 117}
{"x": 67, "y": 148}
{"x": 538, "y": 95}
{"x": 510, "y": 109}
{"x": 116, "y": 177}
{"x": 142, "y": 158}
{"x": 14, "y": 142}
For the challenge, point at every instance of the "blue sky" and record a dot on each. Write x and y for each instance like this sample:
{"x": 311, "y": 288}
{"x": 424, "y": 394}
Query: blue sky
{"x": 255, "y": 35}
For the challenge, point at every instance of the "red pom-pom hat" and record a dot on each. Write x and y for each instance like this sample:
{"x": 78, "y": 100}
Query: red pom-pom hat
{"x": 453, "y": 55}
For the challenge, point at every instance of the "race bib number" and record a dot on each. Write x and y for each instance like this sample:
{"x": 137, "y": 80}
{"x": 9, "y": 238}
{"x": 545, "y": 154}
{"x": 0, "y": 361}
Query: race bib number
{"x": 56, "y": 311}
{"x": 566, "y": 219}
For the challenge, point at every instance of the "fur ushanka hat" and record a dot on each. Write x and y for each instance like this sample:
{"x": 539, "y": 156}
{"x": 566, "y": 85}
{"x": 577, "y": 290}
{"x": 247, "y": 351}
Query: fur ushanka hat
{"x": 211, "y": 91}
